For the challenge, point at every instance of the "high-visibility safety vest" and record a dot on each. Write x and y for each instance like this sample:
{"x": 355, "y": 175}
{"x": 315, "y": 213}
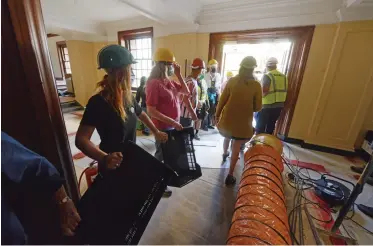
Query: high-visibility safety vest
{"x": 277, "y": 89}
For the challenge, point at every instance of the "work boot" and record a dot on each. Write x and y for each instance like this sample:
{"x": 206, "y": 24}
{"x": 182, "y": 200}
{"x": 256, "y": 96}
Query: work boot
{"x": 359, "y": 170}
{"x": 225, "y": 156}
{"x": 230, "y": 180}
{"x": 167, "y": 192}
{"x": 189, "y": 149}
{"x": 366, "y": 210}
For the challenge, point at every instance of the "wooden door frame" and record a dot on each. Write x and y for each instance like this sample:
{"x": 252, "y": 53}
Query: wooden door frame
{"x": 301, "y": 37}
{"x": 31, "y": 47}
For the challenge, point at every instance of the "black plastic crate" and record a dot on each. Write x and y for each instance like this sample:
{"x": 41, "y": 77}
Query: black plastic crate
{"x": 176, "y": 156}
{"x": 117, "y": 207}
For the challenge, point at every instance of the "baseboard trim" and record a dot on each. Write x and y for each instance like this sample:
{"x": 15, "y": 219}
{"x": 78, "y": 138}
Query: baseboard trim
{"x": 316, "y": 147}
{"x": 362, "y": 154}
{"x": 290, "y": 140}
{"x": 328, "y": 149}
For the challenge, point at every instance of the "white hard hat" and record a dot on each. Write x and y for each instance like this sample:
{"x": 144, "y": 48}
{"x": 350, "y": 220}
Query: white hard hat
{"x": 272, "y": 62}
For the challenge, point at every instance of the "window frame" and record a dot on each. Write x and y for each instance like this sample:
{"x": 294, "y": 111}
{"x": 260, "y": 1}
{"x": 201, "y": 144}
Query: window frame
{"x": 60, "y": 46}
{"x": 124, "y": 38}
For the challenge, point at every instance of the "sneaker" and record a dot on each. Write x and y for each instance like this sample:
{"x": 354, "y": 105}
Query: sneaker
{"x": 167, "y": 192}
{"x": 225, "y": 156}
{"x": 366, "y": 210}
{"x": 359, "y": 170}
{"x": 230, "y": 180}
{"x": 211, "y": 127}
{"x": 189, "y": 149}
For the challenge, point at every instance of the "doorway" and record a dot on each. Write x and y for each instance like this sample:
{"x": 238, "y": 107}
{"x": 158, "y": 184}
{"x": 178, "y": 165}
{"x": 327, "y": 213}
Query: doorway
{"x": 300, "y": 39}
{"x": 234, "y": 53}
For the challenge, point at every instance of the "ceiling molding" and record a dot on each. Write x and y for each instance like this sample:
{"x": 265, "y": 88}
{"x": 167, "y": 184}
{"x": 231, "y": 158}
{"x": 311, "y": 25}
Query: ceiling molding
{"x": 285, "y": 21}
{"x": 144, "y": 12}
{"x": 353, "y": 3}
{"x": 77, "y": 25}
{"x": 355, "y": 14}
{"x": 241, "y": 11}
{"x": 233, "y": 15}
{"x": 165, "y": 11}
{"x": 264, "y": 4}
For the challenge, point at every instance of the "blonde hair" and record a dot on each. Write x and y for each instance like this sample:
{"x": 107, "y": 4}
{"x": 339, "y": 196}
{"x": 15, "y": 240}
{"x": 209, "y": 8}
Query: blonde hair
{"x": 158, "y": 71}
{"x": 115, "y": 87}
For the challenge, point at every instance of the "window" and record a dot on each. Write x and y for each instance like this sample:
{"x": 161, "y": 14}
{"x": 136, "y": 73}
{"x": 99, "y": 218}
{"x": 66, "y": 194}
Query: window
{"x": 63, "y": 55}
{"x": 139, "y": 42}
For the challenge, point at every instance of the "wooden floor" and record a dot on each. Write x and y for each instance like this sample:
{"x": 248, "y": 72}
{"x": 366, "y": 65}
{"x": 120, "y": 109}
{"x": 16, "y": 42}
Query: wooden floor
{"x": 66, "y": 99}
{"x": 199, "y": 213}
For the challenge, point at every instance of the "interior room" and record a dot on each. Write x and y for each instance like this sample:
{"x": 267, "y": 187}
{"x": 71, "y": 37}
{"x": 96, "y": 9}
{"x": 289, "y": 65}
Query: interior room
{"x": 313, "y": 162}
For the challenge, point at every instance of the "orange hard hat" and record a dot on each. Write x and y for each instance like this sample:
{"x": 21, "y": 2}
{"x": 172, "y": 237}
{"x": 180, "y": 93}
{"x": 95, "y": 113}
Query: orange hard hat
{"x": 198, "y": 63}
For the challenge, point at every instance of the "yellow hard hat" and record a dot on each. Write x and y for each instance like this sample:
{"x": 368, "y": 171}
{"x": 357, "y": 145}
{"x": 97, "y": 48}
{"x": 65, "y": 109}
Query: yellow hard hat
{"x": 248, "y": 62}
{"x": 164, "y": 55}
{"x": 213, "y": 62}
{"x": 229, "y": 74}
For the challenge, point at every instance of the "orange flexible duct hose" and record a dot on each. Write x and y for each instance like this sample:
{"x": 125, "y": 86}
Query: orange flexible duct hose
{"x": 260, "y": 212}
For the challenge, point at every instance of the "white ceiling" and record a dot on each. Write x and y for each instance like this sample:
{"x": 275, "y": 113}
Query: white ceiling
{"x": 104, "y": 17}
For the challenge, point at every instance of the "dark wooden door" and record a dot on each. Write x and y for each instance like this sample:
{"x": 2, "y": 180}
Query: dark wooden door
{"x": 30, "y": 106}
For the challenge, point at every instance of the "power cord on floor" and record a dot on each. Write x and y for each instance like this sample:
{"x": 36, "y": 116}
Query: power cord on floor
{"x": 362, "y": 227}
{"x": 301, "y": 182}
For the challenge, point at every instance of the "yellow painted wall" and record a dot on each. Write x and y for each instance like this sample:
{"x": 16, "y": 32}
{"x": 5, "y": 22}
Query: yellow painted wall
{"x": 83, "y": 57}
{"x": 83, "y": 69}
{"x": 334, "y": 101}
{"x": 185, "y": 47}
{"x": 85, "y": 75}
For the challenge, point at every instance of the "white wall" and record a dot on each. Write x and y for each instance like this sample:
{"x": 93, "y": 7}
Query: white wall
{"x": 54, "y": 55}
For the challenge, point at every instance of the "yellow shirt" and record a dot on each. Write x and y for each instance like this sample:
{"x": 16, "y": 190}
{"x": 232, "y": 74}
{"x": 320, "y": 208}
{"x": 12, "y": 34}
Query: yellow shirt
{"x": 237, "y": 104}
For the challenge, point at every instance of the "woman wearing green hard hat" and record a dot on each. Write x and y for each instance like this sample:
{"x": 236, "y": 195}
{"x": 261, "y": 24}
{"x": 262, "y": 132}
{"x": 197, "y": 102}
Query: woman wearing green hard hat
{"x": 241, "y": 97}
{"x": 112, "y": 111}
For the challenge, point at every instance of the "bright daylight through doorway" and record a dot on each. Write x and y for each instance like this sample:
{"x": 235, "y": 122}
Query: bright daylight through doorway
{"x": 233, "y": 54}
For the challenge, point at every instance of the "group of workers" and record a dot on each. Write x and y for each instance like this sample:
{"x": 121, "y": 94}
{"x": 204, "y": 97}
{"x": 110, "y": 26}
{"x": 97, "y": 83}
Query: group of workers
{"x": 200, "y": 100}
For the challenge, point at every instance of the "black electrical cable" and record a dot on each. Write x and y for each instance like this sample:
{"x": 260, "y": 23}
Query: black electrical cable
{"x": 301, "y": 177}
{"x": 356, "y": 223}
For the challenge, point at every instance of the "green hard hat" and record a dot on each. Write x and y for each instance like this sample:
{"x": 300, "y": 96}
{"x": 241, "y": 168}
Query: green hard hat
{"x": 114, "y": 56}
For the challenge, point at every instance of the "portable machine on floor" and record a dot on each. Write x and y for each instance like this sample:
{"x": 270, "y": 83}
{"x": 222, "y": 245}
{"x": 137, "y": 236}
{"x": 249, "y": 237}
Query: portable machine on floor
{"x": 333, "y": 192}
{"x": 117, "y": 207}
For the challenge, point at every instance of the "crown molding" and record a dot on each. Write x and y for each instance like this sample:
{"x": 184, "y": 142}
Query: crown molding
{"x": 272, "y": 22}
{"x": 222, "y": 17}
{"x": 241, "y": 11}
{"x": 355, "y": 14}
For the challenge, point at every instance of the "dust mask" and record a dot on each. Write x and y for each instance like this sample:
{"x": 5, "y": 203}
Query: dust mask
{"x": 170, "y": 70}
